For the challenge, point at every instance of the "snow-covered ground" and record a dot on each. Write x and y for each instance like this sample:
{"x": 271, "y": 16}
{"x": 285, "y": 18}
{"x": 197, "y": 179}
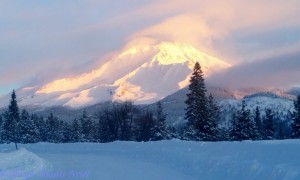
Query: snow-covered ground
{"x": 153, "y": 160}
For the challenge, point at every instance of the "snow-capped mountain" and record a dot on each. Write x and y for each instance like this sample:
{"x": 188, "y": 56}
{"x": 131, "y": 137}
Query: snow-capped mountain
{"x": 144, "y": 74}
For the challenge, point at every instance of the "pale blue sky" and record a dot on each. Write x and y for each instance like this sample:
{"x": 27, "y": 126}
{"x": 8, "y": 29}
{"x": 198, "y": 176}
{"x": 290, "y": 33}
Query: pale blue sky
{"x": 42, "y": 40}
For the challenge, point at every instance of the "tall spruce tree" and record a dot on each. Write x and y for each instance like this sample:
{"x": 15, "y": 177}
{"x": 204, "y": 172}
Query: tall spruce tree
{"x": 199, "y": 126}
{"x": 296, "y": 119}
{"x": 11, "y": 123}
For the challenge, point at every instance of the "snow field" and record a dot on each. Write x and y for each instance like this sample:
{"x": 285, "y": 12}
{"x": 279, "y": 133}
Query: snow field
{"x": 174, "y": 159}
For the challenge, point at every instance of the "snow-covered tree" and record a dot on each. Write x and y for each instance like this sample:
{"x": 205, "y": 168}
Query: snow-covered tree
{"x": 87, "y": 128}
{"x": 11, "y": 122}
{"x": 75, "y": 131}
{"x": 41, "y": 126}
{"x": 53, "y": 129}
{"x": 258, "y": 124}
{"x": 66, "y": 132}
{"x": 160, "y": 130}
{"x": 213, "y": 118}
{"x": 268, "y": 125}
{"x": 296, "y": 119}
{"x": 199, "y": 125}
{"x": 29, "y": 133}
{"x": 242, "y": 124}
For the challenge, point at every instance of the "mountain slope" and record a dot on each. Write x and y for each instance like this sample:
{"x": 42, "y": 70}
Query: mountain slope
{"x": 143, "y": 74}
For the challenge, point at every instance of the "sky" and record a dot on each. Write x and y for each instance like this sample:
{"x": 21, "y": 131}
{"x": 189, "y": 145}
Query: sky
{"x": 44, "y": 40}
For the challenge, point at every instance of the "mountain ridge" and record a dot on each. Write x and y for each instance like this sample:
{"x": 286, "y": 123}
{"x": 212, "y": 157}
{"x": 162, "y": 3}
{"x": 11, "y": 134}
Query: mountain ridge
{"x": 142, "y": 74}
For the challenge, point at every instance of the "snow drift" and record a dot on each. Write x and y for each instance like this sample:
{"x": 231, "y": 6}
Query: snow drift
{"x": 20, "y": 164}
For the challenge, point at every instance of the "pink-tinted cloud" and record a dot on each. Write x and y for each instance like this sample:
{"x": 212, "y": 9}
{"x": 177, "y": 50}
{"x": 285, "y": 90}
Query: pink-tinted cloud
{"x": 63, "y": 35}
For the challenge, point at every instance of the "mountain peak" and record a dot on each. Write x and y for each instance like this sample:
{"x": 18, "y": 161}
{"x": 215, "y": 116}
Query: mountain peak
{"x": 144, "y": 74}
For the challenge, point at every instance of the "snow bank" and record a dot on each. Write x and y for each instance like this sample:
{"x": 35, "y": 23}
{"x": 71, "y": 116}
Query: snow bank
{"x": 20, "y": 164}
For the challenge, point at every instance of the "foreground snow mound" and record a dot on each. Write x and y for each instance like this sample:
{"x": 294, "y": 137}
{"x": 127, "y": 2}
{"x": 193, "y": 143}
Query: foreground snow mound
{"x": 20, "y": 164}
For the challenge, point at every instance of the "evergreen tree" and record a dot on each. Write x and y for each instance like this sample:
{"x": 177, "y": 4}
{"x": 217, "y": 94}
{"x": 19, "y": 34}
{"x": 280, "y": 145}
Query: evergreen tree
{"x": 160, "y": 131}
{"x": 29, "y": 133}
{"x": 268, "y": 126}
{"x": 53, "y": 129}
{"x": 258, "y": 124}
{"x": 41, "y": 126}
{"x": 213, "y": 118}
{"x": 66, "y": 133}
{"x": 11, "y": 123}
{"x": 76, "y": 131}
{"x": 242, "y": 126}
{"x": 198, "y": 126}
{"x": 236, "y": 128}
{"x": 87, "y": 128}
{"x": 296, "y": 119}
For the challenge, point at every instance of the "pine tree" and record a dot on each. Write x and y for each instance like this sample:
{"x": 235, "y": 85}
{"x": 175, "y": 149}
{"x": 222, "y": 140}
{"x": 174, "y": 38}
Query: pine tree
{"x": 41, "y": 126}
{"x": 258, "y": 124}
{"x": 242, "y": 126}
{"x": 268, "y": 126}
{"x": 87, "y": 128}
{"x": 296, "y": 119}
{"x": 75, "y": 129}
{"x": 198, "y": 125}
{"x": 66, "y": 132}
{"x": 53, "y": 129}
{"x": 236, "y": 128}
{"x": 213, "y": 118}
{"x": 160, "y": 131}
{"x": 29, "y": 133}
{"x": 11, "y": 123}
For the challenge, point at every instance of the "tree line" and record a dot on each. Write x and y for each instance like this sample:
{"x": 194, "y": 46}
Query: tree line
{"x": 119, "y": 121}
{"x": 126, "y": 122}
